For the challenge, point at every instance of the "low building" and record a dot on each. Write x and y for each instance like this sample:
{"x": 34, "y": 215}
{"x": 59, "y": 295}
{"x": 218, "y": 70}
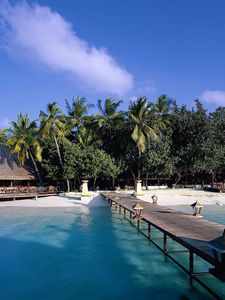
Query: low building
{"x": 12, "y": 173}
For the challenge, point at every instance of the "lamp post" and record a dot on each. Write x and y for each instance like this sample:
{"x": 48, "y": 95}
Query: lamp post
{"x": 134, "y": 195}
{"x": 197, "y": 207}
{"x": 138, "y": 209}
{"x": 154, "y": 199}
{"x": 114, "y": 200}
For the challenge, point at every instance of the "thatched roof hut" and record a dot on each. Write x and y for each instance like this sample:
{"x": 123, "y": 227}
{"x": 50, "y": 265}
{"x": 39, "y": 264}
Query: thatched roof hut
{"x": 10, "y": 168}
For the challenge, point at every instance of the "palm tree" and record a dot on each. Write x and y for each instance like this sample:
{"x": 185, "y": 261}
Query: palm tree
{"x": 53, "y": 125}
{"x": 109, "y": 114}
{"x": 77, "y": 115}
{"x": 23, "y": 141}
{"x": 142, "y": 122}
{"x": 110, "y": 121}
{"x": 88, "y": 136}
{"x": 162, "y": 109}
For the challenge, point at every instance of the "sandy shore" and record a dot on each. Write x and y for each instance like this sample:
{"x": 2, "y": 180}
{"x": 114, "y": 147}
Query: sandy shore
{"x": 58, "y": 201}
{"x": 184, "y": 196}
{"x": 165, "y": 197}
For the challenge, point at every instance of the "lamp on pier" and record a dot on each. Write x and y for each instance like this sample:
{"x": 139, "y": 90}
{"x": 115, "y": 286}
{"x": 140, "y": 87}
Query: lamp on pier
{"x": 115, "y": 199}
{"x": 134, "y": 195}
{"x": 138, "y": 210}
{"x": 154, "y": 199}
{"x": 197, "y": 207}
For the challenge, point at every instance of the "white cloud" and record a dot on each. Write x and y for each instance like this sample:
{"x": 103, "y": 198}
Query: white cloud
{"x": 215, "y": 96}
{"x": 145, "y": 88}
{"x": 38, "y": 34}
{"x": 5, "y": 123}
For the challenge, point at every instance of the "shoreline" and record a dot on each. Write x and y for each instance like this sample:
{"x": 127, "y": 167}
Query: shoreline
{"x": 166, "y": 197}
{"x": 57, "y": 201}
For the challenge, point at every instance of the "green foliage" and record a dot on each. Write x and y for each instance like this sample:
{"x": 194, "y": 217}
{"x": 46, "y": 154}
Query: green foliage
{"x": 142, "y": 127}
{"x": 23, "y": 139}
{"x": 147, "y": 122}
{"x": 110, "y": 123}
{"x": 50, "y": 161}
{"x": 78, "y": 121}
{"x": 158, "y": 160}
{"x": 52, "y": 123}
{"x": 3, "y": 137}
{"x": 213, "y": 146}
{"x": 88, "y": 163}
{"x": 157, "y": 139}
{"x": 190, "y": 131}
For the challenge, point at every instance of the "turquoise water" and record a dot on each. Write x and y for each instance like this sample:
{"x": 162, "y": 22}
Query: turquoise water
{"x": 81, "y": 253}
{"x": 213, "y": 213}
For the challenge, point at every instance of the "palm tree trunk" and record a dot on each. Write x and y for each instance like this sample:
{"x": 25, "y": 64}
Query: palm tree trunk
{"x": 139, "y": 165}
{"x": 58, "y": 151}
{"x": 146, "y": 181}
{"x": 113, "y": 182}
{"x": 134, "y": 178}
{"x": 61, "y": 162}
{"x": 36, "y": 168}
{"x": 213, "y": 177}
{"x": 94, "y": 183}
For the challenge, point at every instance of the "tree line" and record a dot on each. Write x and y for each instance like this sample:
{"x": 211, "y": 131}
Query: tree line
{"x": 149, "y": 139}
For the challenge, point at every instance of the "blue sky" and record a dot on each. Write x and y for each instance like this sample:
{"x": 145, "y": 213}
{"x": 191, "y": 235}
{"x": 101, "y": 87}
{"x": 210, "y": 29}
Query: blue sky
{"x": 56, "y": 50}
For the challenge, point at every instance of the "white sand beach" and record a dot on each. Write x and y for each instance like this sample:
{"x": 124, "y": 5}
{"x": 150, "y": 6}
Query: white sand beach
{"x": 95, "y": 199}
{"x": 184, "y": 196}
{"x": 165, "y": 197}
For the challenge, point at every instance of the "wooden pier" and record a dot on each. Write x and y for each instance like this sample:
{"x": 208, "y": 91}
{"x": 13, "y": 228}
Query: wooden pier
{"x": 194, "y": 234}
{"x": 27, "y": 195}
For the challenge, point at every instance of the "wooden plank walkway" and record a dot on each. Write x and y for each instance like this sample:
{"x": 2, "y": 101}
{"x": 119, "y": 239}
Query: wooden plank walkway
{"x": 192, "y": 232}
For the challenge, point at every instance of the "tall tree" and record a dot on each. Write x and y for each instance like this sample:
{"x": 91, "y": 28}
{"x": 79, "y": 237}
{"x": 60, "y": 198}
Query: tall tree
{"x": 162, "y": 112}
{"x": 78, "y": 115}
{"x": 158, "y": 159}
{"x": 89, "y": 163}
{"x": 23, "y": 141}
{"x": 190, "y": 131}
{"x": 110, "y": 121}
{"x": 213, "y": 146}
{"x": 143, "y": 129}
{"x": 52, "y": 124}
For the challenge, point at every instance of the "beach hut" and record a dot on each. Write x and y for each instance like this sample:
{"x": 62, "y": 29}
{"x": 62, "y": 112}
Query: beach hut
{"x": 11, "y": 173}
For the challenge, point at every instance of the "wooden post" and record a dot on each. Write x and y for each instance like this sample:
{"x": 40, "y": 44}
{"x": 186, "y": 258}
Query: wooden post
{"x": 119, "y": 209}
{"x": 164, "y": 242}
{"x": 191, "y": 265}
{"x": 138, "y": 224}
{"x": 149, "y": 231}
{"x": 124, "y": 211}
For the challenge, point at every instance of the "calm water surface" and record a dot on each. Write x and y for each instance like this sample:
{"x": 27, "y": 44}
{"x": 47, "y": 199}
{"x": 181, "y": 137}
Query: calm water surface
{"x": 81, "y": 253}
